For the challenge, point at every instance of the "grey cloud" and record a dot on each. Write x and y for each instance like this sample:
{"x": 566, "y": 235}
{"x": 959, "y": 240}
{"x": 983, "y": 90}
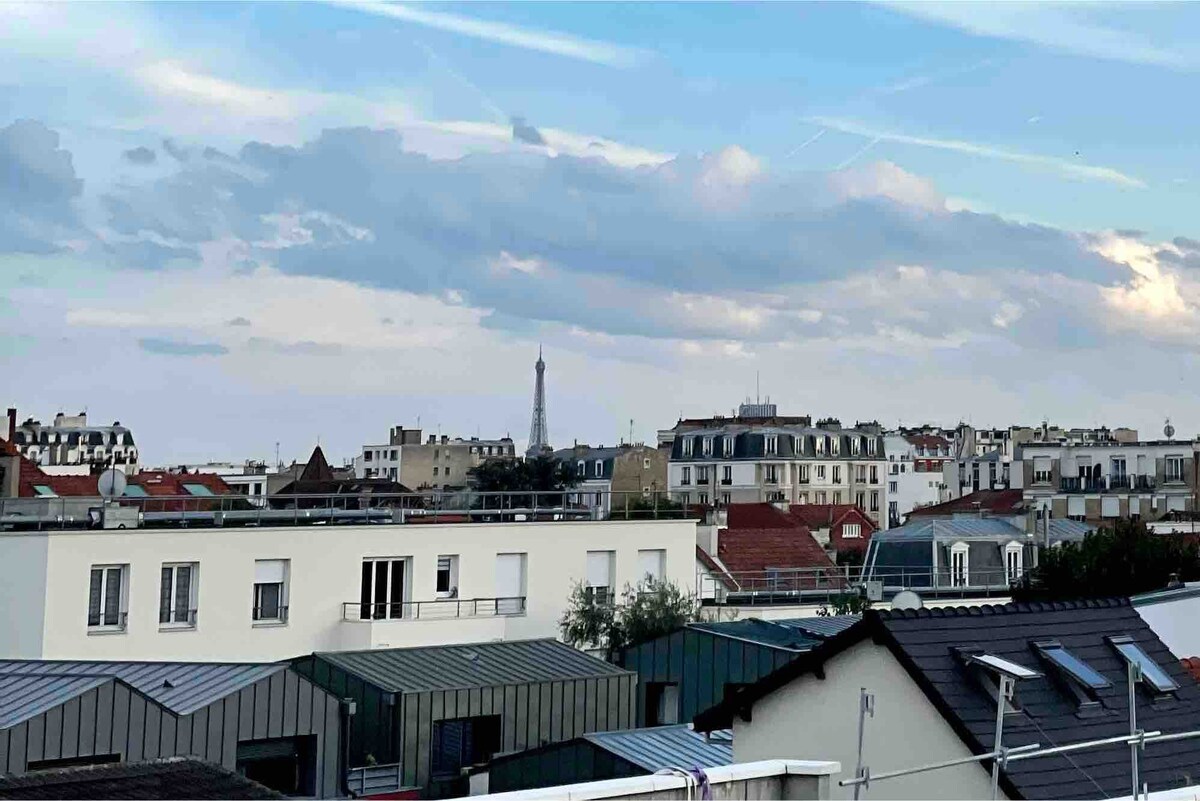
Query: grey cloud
{"x": 1183, "y": 243}
{"x": 140, "y": 155}
{"x": 37, "y": 190}
{"x": 1130, "y": 233}
{"x": 175, "y": 151}
{"x": 175, "y": 347}
{"x": 524, "y": 132}
{"x": 212, "y": 154}
{"x": 618, "y": 240}
{"x": 238, "y": 322}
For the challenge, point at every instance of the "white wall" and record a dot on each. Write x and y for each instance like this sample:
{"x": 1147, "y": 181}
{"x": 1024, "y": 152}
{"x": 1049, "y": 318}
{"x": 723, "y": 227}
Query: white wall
{"x": 811, "y": 718}
{"x": 23, "y": 595}
{"x": 1174, "y": 621}
{"x": 325, "y": 572}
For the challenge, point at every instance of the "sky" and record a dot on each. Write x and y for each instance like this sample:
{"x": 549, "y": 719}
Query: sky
{"x": 235, "y": 226}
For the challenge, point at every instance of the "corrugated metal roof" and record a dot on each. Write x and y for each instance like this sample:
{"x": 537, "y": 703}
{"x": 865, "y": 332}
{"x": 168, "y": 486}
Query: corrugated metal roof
{"x": 485, "y": 664}
{"x": 968, "y": 526}
{"x": 182, "y": 687}
{"x": 667, "y": 746}
{"x": 24, "y": 696}
{"x": 764, "y": 632}
{"x": 823, "y": 627}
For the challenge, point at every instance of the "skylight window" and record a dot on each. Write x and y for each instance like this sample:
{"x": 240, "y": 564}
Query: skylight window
{"x": 134, "y": 491}
{"x": 1072, "y": 665}
{"x": 197, "y": 489}
{"x": 1004, "y": 666}
{"x": 44, "y": 492}
{"x": 1152, "y": 673}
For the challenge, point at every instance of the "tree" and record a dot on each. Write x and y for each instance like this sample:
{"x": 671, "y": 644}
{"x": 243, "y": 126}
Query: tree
{"x": 846, "y": 603}
{"x": 540, "y": 474}
{"x": 1120, "y": 561}
{"x": 651, "y": 610}
{"x": 657, "y": 506}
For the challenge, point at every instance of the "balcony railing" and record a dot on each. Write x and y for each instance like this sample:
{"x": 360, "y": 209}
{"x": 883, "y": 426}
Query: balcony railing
{"x": 726, "y": 482}
{"x": 1106, "y": 483}
{"x": 177, "y": 617}
{"x": 439, "y": 609}
{"x": 108, "y": 622}
{"x": 274, "y": 613}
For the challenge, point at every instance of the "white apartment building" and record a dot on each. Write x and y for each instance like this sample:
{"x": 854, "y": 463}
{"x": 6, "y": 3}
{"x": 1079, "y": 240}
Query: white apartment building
{"x": 915, "y": 465}
{"x": 267, "y": 593}
{"x": 70, "y": 446}
{"x": 779, "y": 459}
{"x": 1096, "y": 481}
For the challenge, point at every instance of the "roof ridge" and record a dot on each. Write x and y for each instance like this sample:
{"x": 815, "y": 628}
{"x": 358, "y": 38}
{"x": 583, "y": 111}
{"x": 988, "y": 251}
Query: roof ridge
{"x": 1012, "y": 607}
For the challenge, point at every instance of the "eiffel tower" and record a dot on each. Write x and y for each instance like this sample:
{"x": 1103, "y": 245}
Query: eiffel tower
{"x": 539, "y": 437}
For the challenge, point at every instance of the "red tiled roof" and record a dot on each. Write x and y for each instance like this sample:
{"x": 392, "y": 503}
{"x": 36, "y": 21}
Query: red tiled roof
{"x": 753, "y": 550}
{"x": 928, "y": 440}
{"x": 1192, "y": 665}
{"x": 758, "y": 515}
{"x": 1001, "y": 502}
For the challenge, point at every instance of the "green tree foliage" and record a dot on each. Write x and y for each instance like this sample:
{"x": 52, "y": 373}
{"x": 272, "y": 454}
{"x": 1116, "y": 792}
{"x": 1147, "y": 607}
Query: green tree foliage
{"x": 651, "y": 610}
{"x": 654, "y": 507}
{"x": 540, "y": 474}
{"x": 847, "y": 603}
{"x": 1123, "y": 560}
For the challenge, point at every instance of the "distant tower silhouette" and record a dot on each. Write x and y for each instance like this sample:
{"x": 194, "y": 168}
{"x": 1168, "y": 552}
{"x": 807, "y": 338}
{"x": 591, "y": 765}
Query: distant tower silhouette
{"x": 539, "y": 437}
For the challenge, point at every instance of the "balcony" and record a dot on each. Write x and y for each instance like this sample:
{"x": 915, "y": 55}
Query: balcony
{"x": 771, "y": 480}
{"x": 701, "y": 481}
{"x": 1124, "y": 483}
{"x": 1078, "y": 484}
{"x": 440, "y": 609}
{"x": 725, "y": 482}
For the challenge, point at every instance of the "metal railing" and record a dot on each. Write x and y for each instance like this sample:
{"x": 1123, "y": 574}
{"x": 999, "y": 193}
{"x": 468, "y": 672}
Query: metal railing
{"x": 375, "y": 779}
{"x": 439, "y": 609}
{"x": 814, "y": 585}
{"x": 277, "y": 613}
{"x": 177, "y": 617}
{"x": 106, "y": 622}
{"x": 235, "y": 509}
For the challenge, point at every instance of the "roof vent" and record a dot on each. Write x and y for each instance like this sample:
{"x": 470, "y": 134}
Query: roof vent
{"x": 167, "y": 685}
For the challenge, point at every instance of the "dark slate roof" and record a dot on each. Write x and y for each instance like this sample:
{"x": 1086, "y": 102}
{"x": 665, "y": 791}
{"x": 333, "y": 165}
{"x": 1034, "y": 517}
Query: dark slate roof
{"x": 24, "y": 696}
{"x": 764, "y": 632}
{"x": 485, "y": 664}
{"x": 822, "y": 627}
{"x": 176, "y": 777}
{"x": 922, "y": 641}
{"x": 182, "y": 687}
{"x": 667, "y": 746}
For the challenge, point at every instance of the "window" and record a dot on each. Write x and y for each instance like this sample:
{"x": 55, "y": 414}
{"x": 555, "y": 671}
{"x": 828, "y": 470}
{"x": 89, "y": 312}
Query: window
{"x": 836, "y": 442}
{"x": 851, "y": 531}
{"x": 601, "y": 569}
{"x": 837, "y": 496}
{"x": 270, "y": 591}
{"x": 367, "y": 456}
{"x": 382, "y": 591}
{"x": 802, "y": 474}
{"x": 862, "y": 473}
{"x": 106, "y": 597}
{"x": 580, "y": 468}
{"x": 461, "y": 743}
{"x": 822, "y": 444}
{"x": 687, "y": 446}
{"x": 991, "y": 474}
{"x": 771, "y": 444}
{"x": 706, "y": 446}
{"x": 1014, "y": 561}
{"x": 598, "y": 468}
{"x": 726, "y": 446}
{"x": 652, "y": 565}
{"x": 959, "y": 565}
{"x": 511, "y": 575}
{"x": 1152, "y": 673}
{"x": 685, "y": 498}
{"x": 1174, "y": 468}
{"x": 1041, "y": 470}
{"x": 860, "y": 500}
{"x": 837, "y": 474}
{"x": 177, "y": 595}
{"x": 645, "y": 464}
{"x": 820, "y": 498}
{"x": 820, "y": 472}
{"x": 685, "y": 476}
{"x": 874, "y": 474}
{"x": 1073, "y": 666}
{"x": 724, "y": 498}
{"x": 197, "y": 489}
{"x": 447, "y": 577}
{"x": 726, "y": 475}
{"x": 701, "y": 474}
{"x": 662, "y": 703}
{"x": 871, "y": 446}
{"x": 135, "y": 491}
{"x": 44, "y": 492}
{"x": 702, "y": 497}
{"x": 874, "y": 500}
{"x": 892, "y": 486}
{"x": 435, "y": 470}
{"x": 771, "y": 473}
{"x": 447, "y": 471}
{"x": 855, "y": 446}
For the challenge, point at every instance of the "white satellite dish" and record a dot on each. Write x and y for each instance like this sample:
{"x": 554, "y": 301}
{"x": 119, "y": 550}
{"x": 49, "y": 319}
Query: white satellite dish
{"x": 111, "y": 483}
{"x": 907, "y": 599}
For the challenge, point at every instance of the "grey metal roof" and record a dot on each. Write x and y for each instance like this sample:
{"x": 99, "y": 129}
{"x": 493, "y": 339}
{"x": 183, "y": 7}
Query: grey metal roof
{"x": 764, "y": 632}
{"x": 970, "y": 526}
{"x": 667, "y": 746}
{"x": 24, "y": 696}
{"x": 485, "y": 664}
{"x": 823, "y": 627}
{"x": 182, "y": 687}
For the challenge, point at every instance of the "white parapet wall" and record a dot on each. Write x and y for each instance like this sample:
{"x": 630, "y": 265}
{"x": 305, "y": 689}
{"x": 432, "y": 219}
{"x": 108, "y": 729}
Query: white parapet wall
{"x": 45, "y": 585}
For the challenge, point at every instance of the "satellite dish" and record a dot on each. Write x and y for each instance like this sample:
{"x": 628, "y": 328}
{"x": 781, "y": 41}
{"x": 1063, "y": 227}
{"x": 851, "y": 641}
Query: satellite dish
{"x": 907, "y": 599}
{"x": 111, "y": 483}
{"x": 1168, "y": 429}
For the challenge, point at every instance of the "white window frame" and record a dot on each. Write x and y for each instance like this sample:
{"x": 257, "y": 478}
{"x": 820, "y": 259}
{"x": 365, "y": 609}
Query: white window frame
{"x": 771, "y": 444}
{"x": 802, "y": 474}
{"x": 1014, "y": 561}
{"x": 447, "y": 567}
{"x": 607, "y": 591}
{"x": 685, "y": 476}
{"x": 727, "y": 474}
{"x": 837, "y": 474}
{"x": 581, "y": 468}
{"x": 598, "y": 468}
{"x": 851, "y": 531}
{"x": 726, "y": 446}
{"x": 1178, "y": 460}
{"x": 771, "y": 473}
{"x": 820, "y": 472}
{"x": 260, "y": 592}
{"x": 872, "y": 445}
{"x": 687, "y": 446}
{"x": 706, "y": 446}
{"x": 960, "y": 565}
{"x": 172, "y": 611}
{"x": 104, "y": 624}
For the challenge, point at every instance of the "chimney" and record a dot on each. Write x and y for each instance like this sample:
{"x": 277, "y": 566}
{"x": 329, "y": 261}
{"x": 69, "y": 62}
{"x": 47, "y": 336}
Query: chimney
{"x": 12, "y": 424}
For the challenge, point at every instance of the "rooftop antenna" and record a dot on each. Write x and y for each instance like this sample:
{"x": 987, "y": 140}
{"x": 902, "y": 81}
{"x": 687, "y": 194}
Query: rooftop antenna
{"x": 757, "y": 374}
{"x": 630, "y": 430}
{"x": 1168, "y": 429}
{"x": 278, "y": 463}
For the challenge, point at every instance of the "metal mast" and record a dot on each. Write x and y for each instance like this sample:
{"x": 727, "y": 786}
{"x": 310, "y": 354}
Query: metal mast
{"x": 539, "y": 437}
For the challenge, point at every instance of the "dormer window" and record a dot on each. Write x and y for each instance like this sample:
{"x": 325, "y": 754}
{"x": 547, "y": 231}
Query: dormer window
{"x": 855, "y": 445}
{"x": 871, "y": 446}
{"x": 837, "y": 445}
{"x": 1014, "y": 561}
{"x": 726, "y": 446}
{"x": 960, "y": 564}
{"x": 706, "y": 444}
{"x": 771, "y": 444}
{"x": 687, "y": 446}
{"x": 822, "y": 443}
{"x": 580, "y": 469}
{"x": 599, "y": 468}
{"x": 1152, "y": 674}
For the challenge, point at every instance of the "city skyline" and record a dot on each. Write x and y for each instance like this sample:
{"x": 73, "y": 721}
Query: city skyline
{"x": 226, "y": 237}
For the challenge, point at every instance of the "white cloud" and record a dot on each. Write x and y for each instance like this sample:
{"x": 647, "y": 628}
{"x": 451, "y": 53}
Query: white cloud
{"x": 555, "y": 43}
{"x": 508, "y": 263}
{"x": 1066, "y": 167}
{"x": 885, "y": 179}
{"x": 497, "y": 136}
{"x": 1154, "y": 292}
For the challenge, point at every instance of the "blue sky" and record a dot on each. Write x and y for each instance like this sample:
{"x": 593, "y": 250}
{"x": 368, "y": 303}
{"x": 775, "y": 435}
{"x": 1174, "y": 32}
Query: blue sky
{"x": 997, "y": 198}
